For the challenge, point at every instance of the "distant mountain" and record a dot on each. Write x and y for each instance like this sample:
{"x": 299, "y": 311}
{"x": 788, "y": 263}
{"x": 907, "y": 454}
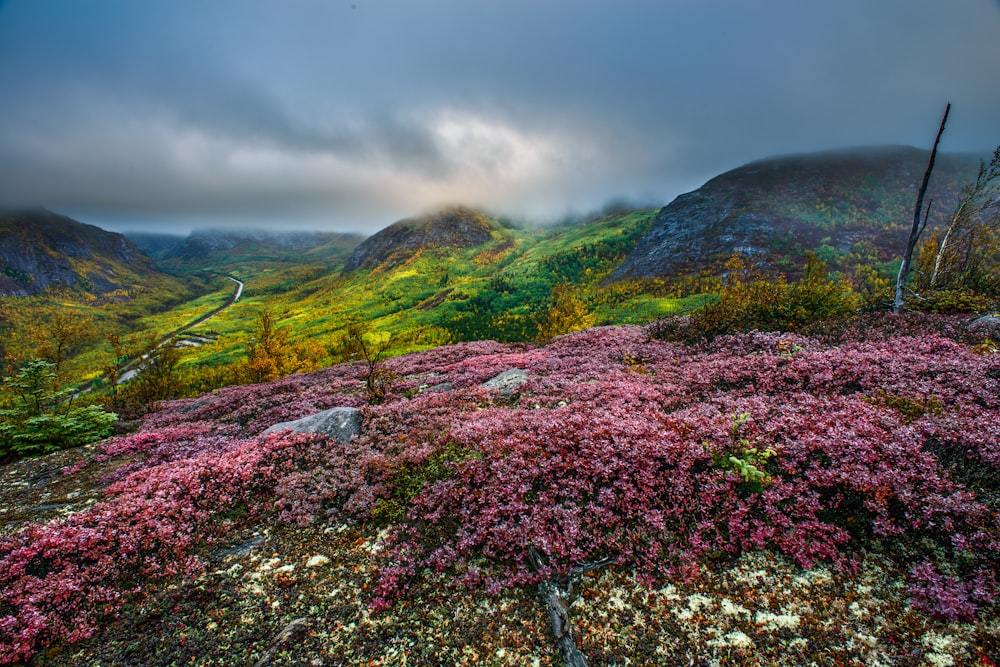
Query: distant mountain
{"x": 214, "y": 246}
{"x": 40, "y": 250}
{"x": 455, "y": 227}
{"x": 154, "y": 244}
{"x": 857, "y": 201}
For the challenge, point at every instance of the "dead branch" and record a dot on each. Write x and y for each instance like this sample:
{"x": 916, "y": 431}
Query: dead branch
{"x": 556, "y": 593}
{"x": 915, "y": 229}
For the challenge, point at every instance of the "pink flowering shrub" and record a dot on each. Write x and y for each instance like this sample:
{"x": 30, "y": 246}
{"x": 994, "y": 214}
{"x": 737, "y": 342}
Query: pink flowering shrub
{"x": 645, "y": 487}
{"x": 252, "y": 408}
{"x": 947, "y": 597}
{"x": 669, "y": 459}
{"x": 597, "y": 460}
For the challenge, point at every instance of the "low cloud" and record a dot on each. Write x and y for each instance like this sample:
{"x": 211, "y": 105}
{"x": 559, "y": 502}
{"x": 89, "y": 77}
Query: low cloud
{"x": 320, "y": 114}
{"x": 138, "y": 157}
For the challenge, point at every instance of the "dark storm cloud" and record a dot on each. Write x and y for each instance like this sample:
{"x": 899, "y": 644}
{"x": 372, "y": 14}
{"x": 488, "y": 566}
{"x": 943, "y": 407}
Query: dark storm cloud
{"x": 355, "y": 114}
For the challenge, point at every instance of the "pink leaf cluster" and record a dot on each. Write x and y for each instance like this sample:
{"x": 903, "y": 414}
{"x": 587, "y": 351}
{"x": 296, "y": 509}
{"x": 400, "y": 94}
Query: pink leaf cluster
{"x": 59, "y": 579}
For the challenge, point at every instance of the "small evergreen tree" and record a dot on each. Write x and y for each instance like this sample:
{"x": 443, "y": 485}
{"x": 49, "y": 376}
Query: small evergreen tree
{"x": 42, "y": 419}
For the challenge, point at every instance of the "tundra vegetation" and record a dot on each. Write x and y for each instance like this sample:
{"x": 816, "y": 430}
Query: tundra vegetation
{"x": 670, "y": 462}
{"x": 783, "y": 418}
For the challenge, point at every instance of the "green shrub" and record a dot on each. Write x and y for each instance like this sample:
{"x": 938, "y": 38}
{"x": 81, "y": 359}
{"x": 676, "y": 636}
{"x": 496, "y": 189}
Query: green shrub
{"x": 41, "y": 419}
{"x": 952, "y": 302}
{"x": 751, "y": 300}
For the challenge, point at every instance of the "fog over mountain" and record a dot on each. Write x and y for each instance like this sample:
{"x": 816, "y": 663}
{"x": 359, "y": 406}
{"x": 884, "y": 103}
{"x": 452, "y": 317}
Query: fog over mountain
{"x": 349, "y": 115}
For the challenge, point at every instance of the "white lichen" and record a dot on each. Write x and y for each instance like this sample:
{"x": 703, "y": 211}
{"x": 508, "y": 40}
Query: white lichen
{"x": 319, "y": 560}
{"x": 734, "y": 639}
{"x": 941, "y": 649}
{"x": 730, "y": 608}
{"x": 771, "y": 621}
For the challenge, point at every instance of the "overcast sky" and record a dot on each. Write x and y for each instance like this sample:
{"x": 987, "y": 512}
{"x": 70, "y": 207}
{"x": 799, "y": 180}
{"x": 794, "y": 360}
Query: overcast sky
{"x": 348, "y": 115}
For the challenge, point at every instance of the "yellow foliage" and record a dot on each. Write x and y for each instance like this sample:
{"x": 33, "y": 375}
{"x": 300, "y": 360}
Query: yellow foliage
{"x": 566, "y": 314}
{"x": 494, "y": 255}
{"x": 269, "y": 355}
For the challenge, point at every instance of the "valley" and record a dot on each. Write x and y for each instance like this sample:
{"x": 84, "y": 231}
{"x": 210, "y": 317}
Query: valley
{"x": 499, "y": 334}
{"x": 184, "y": 337}
{"x": 460, "y": 275}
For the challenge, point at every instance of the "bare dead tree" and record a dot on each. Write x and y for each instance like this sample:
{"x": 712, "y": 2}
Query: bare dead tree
{"x": 977, "y": 198}
{"x": 556, "y": 593}
{"x": 916, "y": 228}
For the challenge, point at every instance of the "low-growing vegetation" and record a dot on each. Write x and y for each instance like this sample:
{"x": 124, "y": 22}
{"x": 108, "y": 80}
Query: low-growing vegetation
{"x": 784, "y": 420}
{"x": 752, "y": 300}
{"x": 674, "y": 462}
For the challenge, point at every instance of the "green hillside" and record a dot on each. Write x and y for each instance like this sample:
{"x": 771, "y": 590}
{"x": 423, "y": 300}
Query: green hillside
{"x": 459, "y": 275}
{"x": 66, "y": 286}
{"x": 495, "y": 284}
{"x": 496, "y": 290}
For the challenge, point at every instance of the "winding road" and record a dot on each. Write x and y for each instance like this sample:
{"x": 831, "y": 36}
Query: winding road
{"x": 132, "y": 368}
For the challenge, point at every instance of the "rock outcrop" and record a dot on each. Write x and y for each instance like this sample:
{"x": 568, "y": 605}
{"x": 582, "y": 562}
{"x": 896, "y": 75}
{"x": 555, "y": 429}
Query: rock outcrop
{"x": 40, "y": 249}
{"x": 773, "y": 210}
{"x": 507, "y": 382}
{"x": 986, "y": 327}
{"x": 339, "y": 423}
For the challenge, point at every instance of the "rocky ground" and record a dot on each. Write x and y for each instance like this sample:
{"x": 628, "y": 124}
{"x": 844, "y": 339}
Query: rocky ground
{"x": 279, "y": 595}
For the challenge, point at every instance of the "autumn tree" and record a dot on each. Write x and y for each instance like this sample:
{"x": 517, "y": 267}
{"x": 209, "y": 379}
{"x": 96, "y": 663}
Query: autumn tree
{"x": 972, "y": 237}
{"x": 269, "y": 354}
{"x": 121, "y": 351}
{"x": 358, "y": 344}
{"x": 567, "y": 313}
{"x": 5, "y": 331}
{"x": 157, "y": 378}
{"x": 753, "y": 300}
{"x": 47, "y": 332}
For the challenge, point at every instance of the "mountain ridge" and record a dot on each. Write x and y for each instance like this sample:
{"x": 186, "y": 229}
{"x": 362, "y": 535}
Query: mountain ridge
{"x": 455, "y": 227}
{"x": 776, "y": 208}
{"x": 40, "y": 249}
{"x": 201, "y": 243}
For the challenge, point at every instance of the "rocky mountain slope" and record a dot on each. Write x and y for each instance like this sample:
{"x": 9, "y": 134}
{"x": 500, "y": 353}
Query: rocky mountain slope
{"x": 855, "y": 201}
{"x": 41, "y": 250}
{"x": 456, "y": 227}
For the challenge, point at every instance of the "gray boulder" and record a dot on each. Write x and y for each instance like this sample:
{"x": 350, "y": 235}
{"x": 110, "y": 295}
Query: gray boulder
{"x": 507, "y": 381}
{"x": 987, "y": 326}
{"x": 340, "y": 423}
{"x": 443, "y": 386}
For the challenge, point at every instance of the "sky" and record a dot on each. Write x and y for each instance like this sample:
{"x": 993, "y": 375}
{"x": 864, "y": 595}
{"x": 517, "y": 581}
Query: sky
{"x": 168, "y": 115}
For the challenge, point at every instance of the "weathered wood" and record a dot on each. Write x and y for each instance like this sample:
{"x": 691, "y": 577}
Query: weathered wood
{"x": 556, "y": 593}
{"x": 291, "y": 632}
{"x": 915, "y": 229}
{"x": 976, "y": 198}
